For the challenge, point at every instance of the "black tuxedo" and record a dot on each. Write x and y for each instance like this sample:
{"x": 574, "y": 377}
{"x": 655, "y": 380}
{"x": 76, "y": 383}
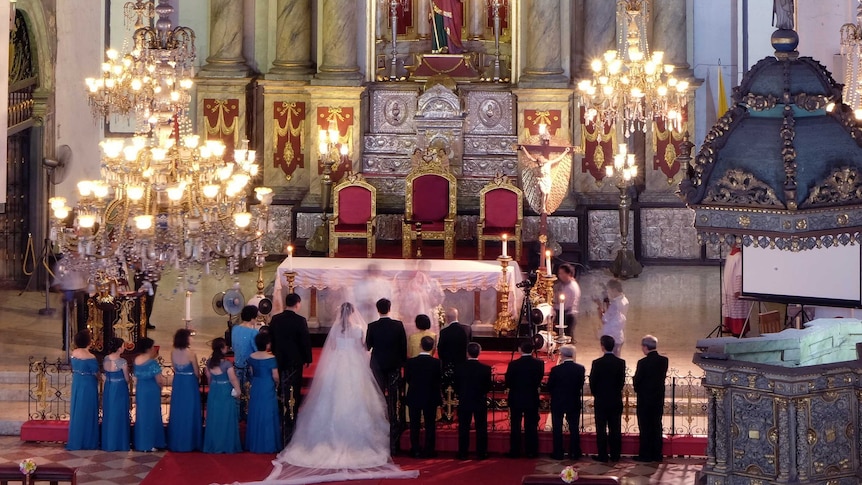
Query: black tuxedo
{"x": 291, "y": 345}
{"x": 566, "y": 384}
{"x": 523, "y": 378}
{"x": 388, "y": 344}
{"x": 473, "y": 383}
{"x": 422, "y": 375}
{"x": 607, "y": 379}
{"x": 452, "y": 345}
{"x": 649, "y": 383}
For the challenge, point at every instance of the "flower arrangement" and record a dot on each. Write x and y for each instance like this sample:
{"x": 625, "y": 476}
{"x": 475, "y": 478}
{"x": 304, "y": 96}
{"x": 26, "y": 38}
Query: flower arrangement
{"x": 568, "y": 474}
{"x": 27, "y": 466}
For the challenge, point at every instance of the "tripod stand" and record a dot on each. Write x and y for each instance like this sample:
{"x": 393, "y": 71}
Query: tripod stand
{"x": 526, "y": 315}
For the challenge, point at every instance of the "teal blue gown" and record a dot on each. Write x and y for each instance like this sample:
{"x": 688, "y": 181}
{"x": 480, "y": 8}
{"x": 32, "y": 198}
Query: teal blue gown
{"x": 185, "y": 430}
{"x": 263, "y": 427}
{"x": 115, "y": 411}
{"x": 149, "y": 428}
{"x": 84, "y": 406}
{"x": 222, "y": 421}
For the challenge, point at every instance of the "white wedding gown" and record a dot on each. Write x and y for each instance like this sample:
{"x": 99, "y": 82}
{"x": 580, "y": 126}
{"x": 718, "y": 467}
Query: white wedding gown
{"x": 342, "y": 432}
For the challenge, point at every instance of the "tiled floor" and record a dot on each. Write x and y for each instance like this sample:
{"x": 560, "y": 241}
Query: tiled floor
{"x": 672, "y": 471}
{"x": 677, "y": 304}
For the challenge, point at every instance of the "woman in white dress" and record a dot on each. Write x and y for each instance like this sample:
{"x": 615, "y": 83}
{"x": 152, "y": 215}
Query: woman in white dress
{"x": 342, "y": 432}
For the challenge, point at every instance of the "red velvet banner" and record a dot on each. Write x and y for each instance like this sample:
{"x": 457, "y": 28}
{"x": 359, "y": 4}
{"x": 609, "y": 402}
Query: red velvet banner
{"x": 666, "y": 144}
{"x": 288, "y": 125}
{"x": 598, "y": 143}
{"x": 220, "y": 118}
{"x": 533, "y": 118}
{"x": 342, "y": 118}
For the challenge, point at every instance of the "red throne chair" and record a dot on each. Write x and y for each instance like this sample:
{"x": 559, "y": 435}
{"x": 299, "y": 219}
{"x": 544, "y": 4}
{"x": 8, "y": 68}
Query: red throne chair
{"x": 430, "y": 205}
{"x": 354, "y": 213}
{"x": 501, "y": 211}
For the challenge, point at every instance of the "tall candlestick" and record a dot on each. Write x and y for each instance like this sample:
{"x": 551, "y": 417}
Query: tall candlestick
{"x": 548, "y": 261}
{"x": 290, "y": 258}
{"x": 505, "y": 245}
{"x": 562, "y": 309}
{"x": 188, "y": 305}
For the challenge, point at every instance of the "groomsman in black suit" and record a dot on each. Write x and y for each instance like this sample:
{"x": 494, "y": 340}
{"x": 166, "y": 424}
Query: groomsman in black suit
{"x": 649, "y": 385}
{"x": 452, "y": 346}
{"x": 291, "y": 345}
{"x": 566, "y": 383}
{"x": 607, "y": 379}
{"x": 387, "y": 342}
{"x": 472, "y": 383}
{"x": 523, "y": 378}
{"x": 422, "y": 375}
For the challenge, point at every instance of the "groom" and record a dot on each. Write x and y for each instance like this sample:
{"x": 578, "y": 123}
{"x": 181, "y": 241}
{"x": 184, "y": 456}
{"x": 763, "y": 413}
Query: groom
{"x": 388, "y": 344}
{"x": 291, "y": 345}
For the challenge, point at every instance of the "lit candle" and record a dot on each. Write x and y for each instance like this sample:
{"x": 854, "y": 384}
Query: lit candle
{"x": 188, "y": 306}
{"x": 562, "y": 309}
{"x": 290, "y": 258}
{"x": 505, "y": 245}
{"x": 548, "y": 261}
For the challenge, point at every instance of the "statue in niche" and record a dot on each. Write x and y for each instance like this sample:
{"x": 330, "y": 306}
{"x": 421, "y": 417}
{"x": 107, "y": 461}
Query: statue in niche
{"x": 447, "y": 20}
{"x": 782, "y": 14}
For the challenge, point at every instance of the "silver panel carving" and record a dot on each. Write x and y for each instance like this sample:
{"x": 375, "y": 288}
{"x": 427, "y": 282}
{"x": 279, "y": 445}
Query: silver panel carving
{"x": 669, "y": 233}
{"x": 306, "y": 223}
{"x": 560, "y": 229}
{"x": 470, "y": 187}
{"x": 385, "y": 165}
{"x": 439, "y": 103}
{"x": 388, "y": 185}
{"x": 490, "y": 145}
{"x": 490, "y": 112}
{"x": 400, "y": 144}
{"x": 490, "y": 167}
{"x": 393, "y": 111}
{"x": 277, "y": 235}
{"x": 604, "y": 234}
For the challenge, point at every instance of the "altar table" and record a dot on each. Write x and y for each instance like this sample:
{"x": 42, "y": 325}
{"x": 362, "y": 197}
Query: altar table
{"x": 323, "y": 284}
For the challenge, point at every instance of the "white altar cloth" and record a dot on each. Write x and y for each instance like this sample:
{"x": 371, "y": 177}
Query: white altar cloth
{"x": 338, "y": 274}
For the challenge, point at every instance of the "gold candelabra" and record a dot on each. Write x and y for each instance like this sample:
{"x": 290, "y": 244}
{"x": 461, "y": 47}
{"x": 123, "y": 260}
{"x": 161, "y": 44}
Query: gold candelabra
{"x": 504, "y": 316}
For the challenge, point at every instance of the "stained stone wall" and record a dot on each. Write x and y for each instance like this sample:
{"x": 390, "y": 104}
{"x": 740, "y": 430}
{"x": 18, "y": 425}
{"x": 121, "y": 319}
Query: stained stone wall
{"x": 604, "y": 234}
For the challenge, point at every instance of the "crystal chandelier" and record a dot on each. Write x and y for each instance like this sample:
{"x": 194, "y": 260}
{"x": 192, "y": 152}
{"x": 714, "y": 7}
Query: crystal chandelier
{"x": 153, "y": 81}
{"x": 165, "y": 198}
{"x": 629, "y": 86}
{"x": 851, "y": 51}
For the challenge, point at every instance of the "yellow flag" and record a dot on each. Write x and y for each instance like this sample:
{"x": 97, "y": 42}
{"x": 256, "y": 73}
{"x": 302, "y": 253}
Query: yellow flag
{"x": 722, "y": 95}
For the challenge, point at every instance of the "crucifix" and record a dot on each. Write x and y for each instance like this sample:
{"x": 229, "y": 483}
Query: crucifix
{"x": 541, "y": 156}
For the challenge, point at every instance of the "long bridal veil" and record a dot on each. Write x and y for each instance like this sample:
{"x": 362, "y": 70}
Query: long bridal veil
{"x": 342, "y": 432}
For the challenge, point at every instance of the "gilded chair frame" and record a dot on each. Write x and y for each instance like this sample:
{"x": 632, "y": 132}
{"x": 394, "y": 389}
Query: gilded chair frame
{"x": 353, "y": 180}
{"x": 409, "y": 230}
{"x": 500, "y": 183}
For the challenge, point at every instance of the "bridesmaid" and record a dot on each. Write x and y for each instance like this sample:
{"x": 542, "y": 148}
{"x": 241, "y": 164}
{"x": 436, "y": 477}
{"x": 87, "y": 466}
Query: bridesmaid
{"x": 242, "y": 343}
{"x": 149, "y": 427}
{"x": 115, "y": 399}
{"x": 84, "y": 412}
{"x": 222, "y": 424}
{"x": 185, "y": 429}
{"x": 263, "y": 430}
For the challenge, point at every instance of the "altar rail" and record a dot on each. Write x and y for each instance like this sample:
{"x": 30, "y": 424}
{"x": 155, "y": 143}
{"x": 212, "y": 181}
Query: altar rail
{"x": 685, "y": 410}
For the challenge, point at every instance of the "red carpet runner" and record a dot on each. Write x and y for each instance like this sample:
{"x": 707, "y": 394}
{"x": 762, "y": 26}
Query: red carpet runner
{"x": 204, "y": 469}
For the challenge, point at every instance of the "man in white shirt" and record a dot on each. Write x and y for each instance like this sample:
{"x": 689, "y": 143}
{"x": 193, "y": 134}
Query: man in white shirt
{"x": 566, "y": 285}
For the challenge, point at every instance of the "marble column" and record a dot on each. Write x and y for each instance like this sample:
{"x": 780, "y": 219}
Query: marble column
{"x": 338, "y": 61}
{"x": 600, "y": 30}
{"x": 423, "y": 25}
{"x": 543, "y": 38}
{"x": 478, "y": 17}
{"x": 293, "y": 41}
{"x": 225, "y": 59}
{"x": 669, "y": 32}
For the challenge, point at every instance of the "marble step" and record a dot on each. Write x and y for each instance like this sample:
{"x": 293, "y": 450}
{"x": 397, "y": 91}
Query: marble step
{"x": 13, "y": 377}
{"x": 14, "y": 392}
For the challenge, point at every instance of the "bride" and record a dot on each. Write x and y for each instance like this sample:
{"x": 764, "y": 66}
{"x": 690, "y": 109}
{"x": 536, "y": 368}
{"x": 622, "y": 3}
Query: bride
{"x": 342, "y": 432}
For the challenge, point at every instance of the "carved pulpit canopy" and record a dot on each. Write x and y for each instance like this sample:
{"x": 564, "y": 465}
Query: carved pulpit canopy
{"x": 438, "y": 102}
{"x": 783, "y": 166}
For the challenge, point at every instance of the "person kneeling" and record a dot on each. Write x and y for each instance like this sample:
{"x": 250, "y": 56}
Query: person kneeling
{"x": 423, "y": 375}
